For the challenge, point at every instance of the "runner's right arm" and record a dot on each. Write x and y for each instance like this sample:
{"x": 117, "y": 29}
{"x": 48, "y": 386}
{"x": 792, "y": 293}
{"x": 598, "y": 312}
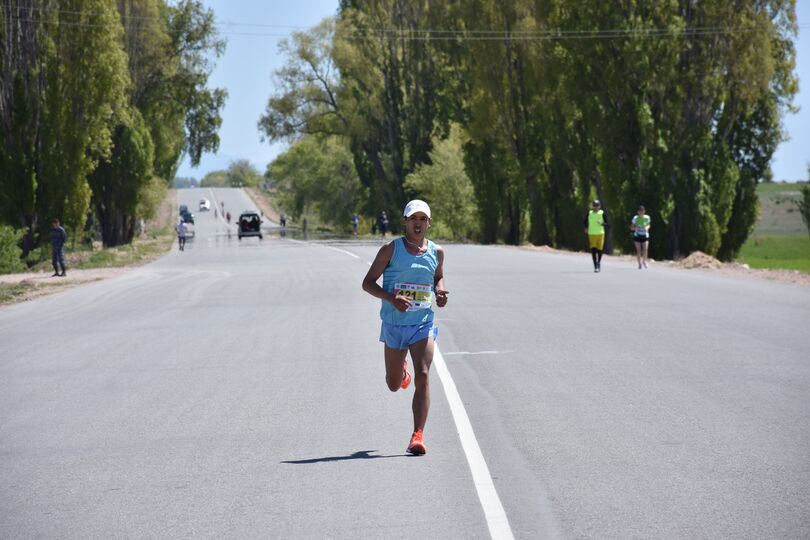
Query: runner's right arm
{"x": 370, "y": 285}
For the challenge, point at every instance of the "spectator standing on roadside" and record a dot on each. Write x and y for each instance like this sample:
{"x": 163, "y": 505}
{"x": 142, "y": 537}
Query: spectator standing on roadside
{"x": 58, "y": 238}
{"x": 181, "y": 234}
{"x": 382, "y": 224}
{"x": 355, "y": 223}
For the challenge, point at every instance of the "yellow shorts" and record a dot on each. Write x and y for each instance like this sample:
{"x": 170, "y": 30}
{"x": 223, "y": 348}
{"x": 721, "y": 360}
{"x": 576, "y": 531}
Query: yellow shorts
{"x": 596, "y": 241}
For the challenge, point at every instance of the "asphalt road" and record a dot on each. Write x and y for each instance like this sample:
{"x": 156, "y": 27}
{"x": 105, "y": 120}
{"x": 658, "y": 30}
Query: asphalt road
{"x": 237, "y": 390}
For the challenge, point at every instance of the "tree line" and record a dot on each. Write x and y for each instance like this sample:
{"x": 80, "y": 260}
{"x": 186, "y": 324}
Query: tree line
{"x": 99, "y": 101}
{"x": 511, "y": 115}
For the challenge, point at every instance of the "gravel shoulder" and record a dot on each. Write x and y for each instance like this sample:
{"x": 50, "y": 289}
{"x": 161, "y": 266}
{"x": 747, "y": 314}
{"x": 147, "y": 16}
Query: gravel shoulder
{"x": 702, "y": 262}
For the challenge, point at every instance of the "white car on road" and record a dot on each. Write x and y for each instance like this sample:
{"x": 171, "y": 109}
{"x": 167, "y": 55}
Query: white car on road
{"x": 205, "y": 204}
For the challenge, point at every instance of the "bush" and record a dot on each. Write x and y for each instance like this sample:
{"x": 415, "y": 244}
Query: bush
{"x": 10, "y": 252}
{"x": 445, "y": 186}
{"x": 804, "y": 206}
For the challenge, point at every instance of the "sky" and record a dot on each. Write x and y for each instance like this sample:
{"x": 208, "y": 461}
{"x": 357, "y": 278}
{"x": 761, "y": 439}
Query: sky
{"x": 246, "y": 68}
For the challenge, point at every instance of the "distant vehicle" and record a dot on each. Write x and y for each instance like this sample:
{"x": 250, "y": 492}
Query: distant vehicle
{"x": 205, "y": 204}
{"x": 250, "y": 224}
{"x": 187, "y": 217}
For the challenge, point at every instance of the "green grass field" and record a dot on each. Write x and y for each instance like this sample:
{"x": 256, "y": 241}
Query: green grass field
{"x": 780, "y": 239}
{"x": 790, "y": 252}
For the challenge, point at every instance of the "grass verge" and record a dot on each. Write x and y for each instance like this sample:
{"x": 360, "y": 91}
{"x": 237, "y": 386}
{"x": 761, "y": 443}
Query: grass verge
{"x": 777, "y": 252}
{"x": 141, "y": 250}
{"x": 13, "y": 292}
{"x": 9, "y": 292}
{"x": 138, "y": 252}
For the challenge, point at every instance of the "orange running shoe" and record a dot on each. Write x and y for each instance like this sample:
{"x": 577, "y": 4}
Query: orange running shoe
{"x": 417, "y": 446}
{"x": 406, "y": 377}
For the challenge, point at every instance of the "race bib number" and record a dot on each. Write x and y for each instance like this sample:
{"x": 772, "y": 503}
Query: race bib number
{"x": 420, "y": 294}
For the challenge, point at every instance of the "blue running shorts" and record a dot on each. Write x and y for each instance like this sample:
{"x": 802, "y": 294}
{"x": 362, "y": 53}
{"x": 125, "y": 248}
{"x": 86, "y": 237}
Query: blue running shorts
{"x": 401, "y": 337}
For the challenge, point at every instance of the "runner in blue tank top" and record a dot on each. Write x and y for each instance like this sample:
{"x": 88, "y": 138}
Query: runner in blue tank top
{"x": 411, "y": 268}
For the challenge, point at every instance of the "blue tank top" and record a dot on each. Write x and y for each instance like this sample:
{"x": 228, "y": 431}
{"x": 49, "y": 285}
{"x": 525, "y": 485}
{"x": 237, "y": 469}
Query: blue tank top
{"x": 413, "y": 276}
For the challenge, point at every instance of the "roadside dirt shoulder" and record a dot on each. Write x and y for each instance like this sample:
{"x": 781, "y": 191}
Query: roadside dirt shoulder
{"x": 701, "y": 261}
{"x": 264, "y": 203}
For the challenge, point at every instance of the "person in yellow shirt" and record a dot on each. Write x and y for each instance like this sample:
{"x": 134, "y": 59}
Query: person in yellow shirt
{"x": 595, "y": 223}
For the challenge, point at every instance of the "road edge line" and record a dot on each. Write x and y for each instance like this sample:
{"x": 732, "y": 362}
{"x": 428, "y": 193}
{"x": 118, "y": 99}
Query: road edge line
{"x": 494, "y": 512}
{"x": 333, "y": 248}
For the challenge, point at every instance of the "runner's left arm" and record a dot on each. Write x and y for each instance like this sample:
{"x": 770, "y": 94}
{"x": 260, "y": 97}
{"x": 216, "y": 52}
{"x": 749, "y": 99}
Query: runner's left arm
{"x": 438, "y": 279}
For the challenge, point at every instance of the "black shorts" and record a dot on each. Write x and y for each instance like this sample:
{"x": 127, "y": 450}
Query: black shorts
{"x": 639, "y": 238}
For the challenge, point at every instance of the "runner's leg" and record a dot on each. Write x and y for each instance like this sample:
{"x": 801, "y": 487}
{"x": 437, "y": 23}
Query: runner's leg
{"x": 599, "y": 251}
{"x": 638, "y": 252}
{"x": 394, "y": 358}
{"x": 644, "y": 249}
{"x": 422, "y": 357}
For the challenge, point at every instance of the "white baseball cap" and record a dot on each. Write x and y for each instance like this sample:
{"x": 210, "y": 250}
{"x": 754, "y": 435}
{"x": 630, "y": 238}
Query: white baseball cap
{"x": 416, "y": 206}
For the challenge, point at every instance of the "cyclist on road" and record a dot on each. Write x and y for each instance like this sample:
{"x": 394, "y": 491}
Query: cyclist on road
{"x": 413, "y": 279}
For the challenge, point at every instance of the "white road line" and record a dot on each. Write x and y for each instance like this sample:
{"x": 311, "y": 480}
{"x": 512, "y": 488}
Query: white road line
{"x": 465, "y": 353}
{"x": 349, "y": 253}
{"x": 494, "y": 513}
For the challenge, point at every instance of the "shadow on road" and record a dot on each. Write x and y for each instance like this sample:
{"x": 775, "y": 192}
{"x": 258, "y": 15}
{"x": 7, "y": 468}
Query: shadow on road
{"x": 362, "y": 454}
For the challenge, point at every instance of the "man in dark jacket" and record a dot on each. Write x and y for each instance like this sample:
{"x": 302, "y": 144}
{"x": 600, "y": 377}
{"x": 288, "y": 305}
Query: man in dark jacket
{"x": 58, "y": 237}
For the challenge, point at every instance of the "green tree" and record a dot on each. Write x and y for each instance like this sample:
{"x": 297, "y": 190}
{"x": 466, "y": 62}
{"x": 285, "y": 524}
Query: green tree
{"x": 505, "y": 118}
{"x": 118, "y": 182}
{"x": 171, "y": 109}
{"x": 356, "y": 79}
{"x": 671, "y": 115}
{"x": 150, "y": 197}
{"x": 444, "y": 184}
{"x": 63, "y": 91}
{"x": 10, "y": 253}
{"x": 215, "y": 179}
{"x": 318, "y": 175}
{"x": 673, "y": 105}
{"x": 401, "y": 85}
{"x": 241, "y": 173}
